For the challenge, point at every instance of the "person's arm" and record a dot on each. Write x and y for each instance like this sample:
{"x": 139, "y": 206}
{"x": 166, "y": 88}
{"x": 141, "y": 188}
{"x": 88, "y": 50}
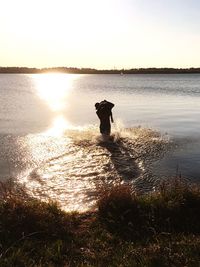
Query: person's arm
{"x": 111, "y": 117}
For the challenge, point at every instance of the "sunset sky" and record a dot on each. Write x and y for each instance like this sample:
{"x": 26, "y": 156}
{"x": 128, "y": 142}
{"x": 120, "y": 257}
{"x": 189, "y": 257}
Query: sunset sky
{"x": 100, "y": 34}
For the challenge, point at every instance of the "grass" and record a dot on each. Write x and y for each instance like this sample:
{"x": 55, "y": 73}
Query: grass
{"x": 157, "y": 229}
{"x": 174, "y": 208}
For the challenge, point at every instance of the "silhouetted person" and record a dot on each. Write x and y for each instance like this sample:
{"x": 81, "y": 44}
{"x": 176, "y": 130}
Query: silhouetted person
{"x": 105, "y": 115}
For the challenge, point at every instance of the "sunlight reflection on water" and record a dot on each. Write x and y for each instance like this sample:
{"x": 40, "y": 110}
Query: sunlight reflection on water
{"x": 60, "y": 124}
{"x": 54, "y": 89}
{"x": 73, "y": 178}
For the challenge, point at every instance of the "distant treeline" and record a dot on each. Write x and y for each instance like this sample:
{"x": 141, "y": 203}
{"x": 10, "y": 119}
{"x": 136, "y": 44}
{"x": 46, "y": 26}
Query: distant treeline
{"x": 95, "y": 71}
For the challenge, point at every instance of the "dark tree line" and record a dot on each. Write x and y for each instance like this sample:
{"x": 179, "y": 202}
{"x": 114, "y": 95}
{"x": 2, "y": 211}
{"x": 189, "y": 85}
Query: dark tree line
{"x": 95, "y": 71}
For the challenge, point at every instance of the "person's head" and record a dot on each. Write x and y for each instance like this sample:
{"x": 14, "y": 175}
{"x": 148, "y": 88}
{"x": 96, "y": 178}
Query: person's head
{"x": 96, "y": 105}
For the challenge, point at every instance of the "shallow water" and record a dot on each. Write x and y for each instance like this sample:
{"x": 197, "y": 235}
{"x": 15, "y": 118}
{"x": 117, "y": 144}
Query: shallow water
{"x": 49, "y": 136}
{"x": 89, "y": 163}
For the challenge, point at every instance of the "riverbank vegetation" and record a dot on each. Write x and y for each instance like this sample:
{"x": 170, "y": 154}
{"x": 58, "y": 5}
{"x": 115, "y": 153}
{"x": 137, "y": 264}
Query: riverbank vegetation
{"x": 127, "y": 229}
{"x": 26, "y": 70}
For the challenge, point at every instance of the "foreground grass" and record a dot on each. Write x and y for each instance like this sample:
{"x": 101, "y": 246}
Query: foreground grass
{"x": 160, "y": 229}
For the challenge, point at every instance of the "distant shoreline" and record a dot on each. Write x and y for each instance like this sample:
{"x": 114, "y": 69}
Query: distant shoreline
{"x": 26, "y": 70}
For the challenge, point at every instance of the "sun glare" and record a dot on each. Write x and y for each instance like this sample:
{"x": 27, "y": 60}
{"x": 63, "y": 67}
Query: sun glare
{"x": 54, "y": 89}
{"x": 59, "y": 126}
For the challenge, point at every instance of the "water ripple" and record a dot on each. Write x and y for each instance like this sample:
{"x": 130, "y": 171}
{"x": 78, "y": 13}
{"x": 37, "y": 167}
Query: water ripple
{"x": 74, "y": 178}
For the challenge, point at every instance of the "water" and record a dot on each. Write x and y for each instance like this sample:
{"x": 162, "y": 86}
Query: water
{"x": 49, "y": 136}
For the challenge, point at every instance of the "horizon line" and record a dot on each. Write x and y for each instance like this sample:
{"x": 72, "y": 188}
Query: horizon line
{"x": 99, "y": 69}
{"x": 75, "y": 70}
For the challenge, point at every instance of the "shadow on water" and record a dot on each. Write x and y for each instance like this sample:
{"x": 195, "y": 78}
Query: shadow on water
{"x": 122, "y": 160}
{"x": 126, "y": 161}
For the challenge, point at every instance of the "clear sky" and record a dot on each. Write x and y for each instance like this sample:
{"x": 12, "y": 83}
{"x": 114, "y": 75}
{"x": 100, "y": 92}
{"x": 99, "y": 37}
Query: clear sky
{"x": 100, "y": 34}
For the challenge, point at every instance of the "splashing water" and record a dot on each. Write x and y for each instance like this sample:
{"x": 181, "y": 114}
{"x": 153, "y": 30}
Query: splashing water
{"x": 74, "y": 178}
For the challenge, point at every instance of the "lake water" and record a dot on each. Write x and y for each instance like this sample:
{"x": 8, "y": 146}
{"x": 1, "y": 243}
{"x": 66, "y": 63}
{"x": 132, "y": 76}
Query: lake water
{"x": 50, "y": 142}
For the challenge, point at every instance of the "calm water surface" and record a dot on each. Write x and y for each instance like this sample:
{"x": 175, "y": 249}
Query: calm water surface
{"x": 49, "y": 137}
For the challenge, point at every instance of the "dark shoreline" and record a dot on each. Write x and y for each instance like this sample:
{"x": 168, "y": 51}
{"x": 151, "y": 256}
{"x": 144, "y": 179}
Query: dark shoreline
{"x": 72, "y": 70}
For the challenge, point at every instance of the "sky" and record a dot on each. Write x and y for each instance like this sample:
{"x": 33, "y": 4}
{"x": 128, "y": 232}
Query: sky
{"x": 101, "y": 34}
